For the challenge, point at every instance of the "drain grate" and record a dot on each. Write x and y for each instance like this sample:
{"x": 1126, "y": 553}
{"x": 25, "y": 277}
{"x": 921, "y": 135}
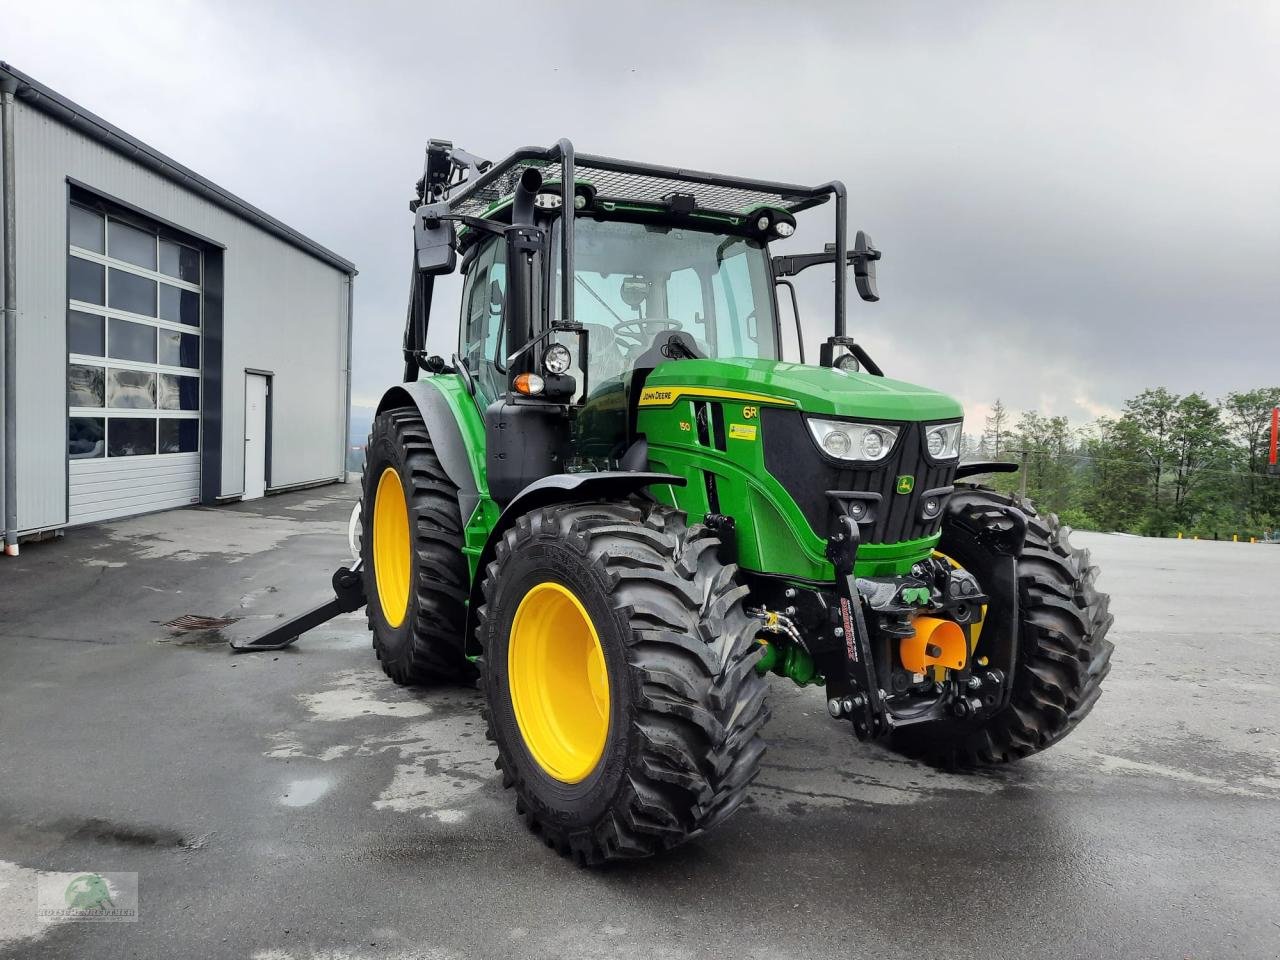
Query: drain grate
{"x": 192, "y": 621}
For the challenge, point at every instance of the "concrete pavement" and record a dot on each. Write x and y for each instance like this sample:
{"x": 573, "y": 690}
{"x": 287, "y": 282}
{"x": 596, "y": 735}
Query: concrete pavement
{"x": 299, "y": 805}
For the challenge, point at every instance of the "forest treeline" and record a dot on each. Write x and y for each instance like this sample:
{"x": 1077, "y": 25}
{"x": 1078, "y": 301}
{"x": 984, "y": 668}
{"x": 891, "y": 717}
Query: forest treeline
{"x": 1167, "y": 464}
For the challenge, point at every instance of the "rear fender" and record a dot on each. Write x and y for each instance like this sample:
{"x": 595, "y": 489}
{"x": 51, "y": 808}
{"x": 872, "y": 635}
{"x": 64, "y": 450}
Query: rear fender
{"x": 456, "y": 429}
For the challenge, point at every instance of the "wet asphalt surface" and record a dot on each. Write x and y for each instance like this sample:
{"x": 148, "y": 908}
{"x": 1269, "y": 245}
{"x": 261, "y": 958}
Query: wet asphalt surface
{"x": 298, "y": 805}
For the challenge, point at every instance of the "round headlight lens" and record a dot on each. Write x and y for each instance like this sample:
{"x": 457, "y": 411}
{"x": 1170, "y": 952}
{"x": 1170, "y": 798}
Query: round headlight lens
{"x": 872, "y": 444}
{"x": 848, "y": 363}
{"x": 762, "y": 222}
{"x": 837, "y": 443}
{"x": 931, "y": 507}
{"x": 785, "y": 229}
{"x": 557, "y": 359}
{"x": 936, "y": 441}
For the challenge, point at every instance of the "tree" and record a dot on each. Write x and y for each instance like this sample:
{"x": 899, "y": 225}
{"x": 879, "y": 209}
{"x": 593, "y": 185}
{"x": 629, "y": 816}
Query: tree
{"x": 1247, "y": 415}
{"x": 995, "y": 437}
{"x": 1115, "y": 490}
{"x": 1199, "y": 448}
{"x": 1151, "y": 411}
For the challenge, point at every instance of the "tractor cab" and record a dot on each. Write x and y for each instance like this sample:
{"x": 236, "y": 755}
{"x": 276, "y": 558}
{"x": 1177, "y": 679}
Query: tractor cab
{"x": 565, "y": 318}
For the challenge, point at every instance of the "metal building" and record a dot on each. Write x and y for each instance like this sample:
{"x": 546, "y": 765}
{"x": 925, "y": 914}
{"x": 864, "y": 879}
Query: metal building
{"x": 165, "y": 342}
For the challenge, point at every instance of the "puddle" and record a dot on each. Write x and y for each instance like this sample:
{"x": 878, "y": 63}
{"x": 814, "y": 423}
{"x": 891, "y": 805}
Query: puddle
{"x": 303, "y": 793}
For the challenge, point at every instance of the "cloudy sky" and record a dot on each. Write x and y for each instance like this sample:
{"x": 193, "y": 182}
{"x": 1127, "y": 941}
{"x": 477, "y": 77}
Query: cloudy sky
{"x": 1075, "y": 200}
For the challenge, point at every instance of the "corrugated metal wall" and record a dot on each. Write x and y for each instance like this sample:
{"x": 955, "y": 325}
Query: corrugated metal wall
{"x": 284, "y": 311}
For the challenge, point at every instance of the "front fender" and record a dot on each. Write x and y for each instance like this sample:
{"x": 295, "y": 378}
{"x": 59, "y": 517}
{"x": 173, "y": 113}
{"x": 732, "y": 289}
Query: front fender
{"x": 609, "y": 485}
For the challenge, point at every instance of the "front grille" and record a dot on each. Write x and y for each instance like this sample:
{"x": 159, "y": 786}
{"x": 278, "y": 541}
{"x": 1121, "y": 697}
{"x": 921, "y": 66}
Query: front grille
{"x": 792, "y": 457}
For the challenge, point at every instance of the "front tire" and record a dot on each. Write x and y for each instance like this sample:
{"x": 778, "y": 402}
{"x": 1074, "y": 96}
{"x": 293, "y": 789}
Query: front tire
{"x": 627, "y": 596}
{"x": 1063, "y": 651}
{"x": 415, "y": 575}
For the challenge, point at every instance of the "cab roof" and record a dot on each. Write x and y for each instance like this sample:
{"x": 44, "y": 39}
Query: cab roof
{"x": 627, "y": 181}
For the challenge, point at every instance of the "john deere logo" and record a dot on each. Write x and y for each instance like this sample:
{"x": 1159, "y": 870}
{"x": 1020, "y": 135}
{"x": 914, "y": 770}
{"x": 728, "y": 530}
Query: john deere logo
{"x": 906, "y": 484}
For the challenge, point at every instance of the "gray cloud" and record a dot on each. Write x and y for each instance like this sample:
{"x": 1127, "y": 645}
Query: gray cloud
{"x": 1074, "y": 201}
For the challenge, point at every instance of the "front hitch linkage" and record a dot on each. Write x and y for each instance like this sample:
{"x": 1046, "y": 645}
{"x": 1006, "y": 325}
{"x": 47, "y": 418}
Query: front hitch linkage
{"x": 862, "y": 700}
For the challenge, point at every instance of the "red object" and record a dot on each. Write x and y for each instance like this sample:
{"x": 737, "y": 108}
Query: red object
{"x": 1275, "y": 432}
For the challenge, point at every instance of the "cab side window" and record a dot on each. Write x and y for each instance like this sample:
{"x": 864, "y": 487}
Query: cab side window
{"x": 483, "y": 297}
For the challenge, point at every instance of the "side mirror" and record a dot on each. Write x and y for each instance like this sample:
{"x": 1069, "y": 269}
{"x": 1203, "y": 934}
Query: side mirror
{"x": 864, "y": 259}
{"x": 433, "y": 240}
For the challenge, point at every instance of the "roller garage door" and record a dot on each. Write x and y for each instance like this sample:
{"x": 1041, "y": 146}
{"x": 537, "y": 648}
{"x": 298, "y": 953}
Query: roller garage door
{"x": 134, "y": 311}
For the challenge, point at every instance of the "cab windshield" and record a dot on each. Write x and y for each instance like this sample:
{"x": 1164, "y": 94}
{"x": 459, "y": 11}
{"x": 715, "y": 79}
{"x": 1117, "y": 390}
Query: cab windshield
{"x": 635, "y": 283}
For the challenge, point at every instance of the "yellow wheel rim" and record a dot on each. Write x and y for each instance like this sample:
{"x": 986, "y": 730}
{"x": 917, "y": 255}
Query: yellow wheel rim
{"x": 391, "y": 554}
{"x": 559, "y": 683}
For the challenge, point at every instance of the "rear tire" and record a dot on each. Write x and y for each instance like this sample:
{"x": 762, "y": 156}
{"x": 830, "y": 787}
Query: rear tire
{"x": 684, "y": 703}
{"x": 419, "y": 635}
{"x": 1063, "y": 652}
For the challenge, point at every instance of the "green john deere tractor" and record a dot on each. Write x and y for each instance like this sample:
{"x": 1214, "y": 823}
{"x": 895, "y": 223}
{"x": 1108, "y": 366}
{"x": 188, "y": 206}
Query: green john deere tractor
{"x": 621, "y": 509}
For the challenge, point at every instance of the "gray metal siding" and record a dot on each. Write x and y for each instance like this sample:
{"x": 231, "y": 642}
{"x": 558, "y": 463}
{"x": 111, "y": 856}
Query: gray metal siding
{"x": 285, "y": 311}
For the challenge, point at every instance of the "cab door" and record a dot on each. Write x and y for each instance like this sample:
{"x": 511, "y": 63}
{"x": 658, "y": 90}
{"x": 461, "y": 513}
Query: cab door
{"x": 480, "y": 330}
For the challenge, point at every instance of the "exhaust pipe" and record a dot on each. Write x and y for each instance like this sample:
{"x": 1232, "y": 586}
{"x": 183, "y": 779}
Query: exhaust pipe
{"x": 526, "y": 190}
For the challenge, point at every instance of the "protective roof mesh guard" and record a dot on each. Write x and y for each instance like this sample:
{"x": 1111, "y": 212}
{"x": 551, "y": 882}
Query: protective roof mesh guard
{"x": 627, "y": 182}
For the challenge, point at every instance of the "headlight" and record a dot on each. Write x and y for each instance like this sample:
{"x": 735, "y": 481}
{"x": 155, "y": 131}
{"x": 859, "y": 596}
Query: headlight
{"x": 942, "y": 440}
{"x": 868, "y": 442}
{"x": 848, "y": 363}
{"x": 557, "y": 359}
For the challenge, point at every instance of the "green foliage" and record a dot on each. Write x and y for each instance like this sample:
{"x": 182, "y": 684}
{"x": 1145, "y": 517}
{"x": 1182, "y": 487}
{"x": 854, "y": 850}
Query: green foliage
{"x": 1167, "y": 464}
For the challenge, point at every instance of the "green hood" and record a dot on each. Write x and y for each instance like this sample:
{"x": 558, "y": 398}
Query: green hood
{"x": 814, "y": 389}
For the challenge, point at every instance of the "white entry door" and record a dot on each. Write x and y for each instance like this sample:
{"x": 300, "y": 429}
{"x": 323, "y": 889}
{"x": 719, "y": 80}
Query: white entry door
{"x": 256, "y": 389}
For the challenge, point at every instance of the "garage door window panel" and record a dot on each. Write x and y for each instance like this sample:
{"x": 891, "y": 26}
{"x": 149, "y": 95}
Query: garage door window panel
{"x": 86, "y": 334}
{"x": 180, "y": 262}
{"x": 179, "y": 349}
{"x": 179, "y": 436}
{"x": 130, "y": 244}
{"x": 131, "y": 436}
{"x": 86, "y": 281}
{"x": 86, "y": 438}
{"x": 86, "y": 228}
{"x": 131, "y": 341}
{"x": 179, "y": 393}
{"x": 179, "y": 306}
{"x": 131, "y": 389}
{"x": 86, "y": 386}
{"x": 131, "y": 293}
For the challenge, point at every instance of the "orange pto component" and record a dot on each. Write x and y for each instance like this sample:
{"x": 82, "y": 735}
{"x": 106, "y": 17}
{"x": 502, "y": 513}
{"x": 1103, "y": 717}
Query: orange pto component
{"x": 936, "y": 643}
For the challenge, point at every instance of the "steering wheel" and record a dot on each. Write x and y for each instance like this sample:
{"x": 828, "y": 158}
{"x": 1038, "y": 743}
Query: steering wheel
{"x": 646, "y": 328}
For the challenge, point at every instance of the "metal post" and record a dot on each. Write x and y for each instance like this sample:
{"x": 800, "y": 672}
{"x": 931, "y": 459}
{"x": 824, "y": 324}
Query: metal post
{"x": 566, "y": 229}
{"x": 1022, "y": 491}
{"x": 346, "y": 409}
{"x": 842, "y": 243}
{"x": 8, "y": 87}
